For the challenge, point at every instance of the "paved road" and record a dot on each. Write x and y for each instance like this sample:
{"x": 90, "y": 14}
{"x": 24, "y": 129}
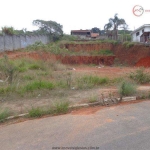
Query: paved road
{"x": 124, "y": 127}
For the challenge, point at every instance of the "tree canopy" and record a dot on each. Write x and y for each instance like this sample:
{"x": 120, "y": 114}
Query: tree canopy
{"x": 113, "y": 25}
{"x": 49, "y": 27}
{"x": 95, "y": 30}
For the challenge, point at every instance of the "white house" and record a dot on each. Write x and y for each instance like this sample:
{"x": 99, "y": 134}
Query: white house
{"x": 141, "y": 34}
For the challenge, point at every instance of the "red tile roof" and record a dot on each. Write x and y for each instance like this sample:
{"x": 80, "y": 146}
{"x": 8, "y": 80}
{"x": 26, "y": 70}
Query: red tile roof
{"x": 81, "y": 31}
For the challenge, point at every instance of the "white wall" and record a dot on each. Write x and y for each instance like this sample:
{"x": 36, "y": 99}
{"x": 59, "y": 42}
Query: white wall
{"x": 147, "y": 29}
{"x": 137, "y": 38}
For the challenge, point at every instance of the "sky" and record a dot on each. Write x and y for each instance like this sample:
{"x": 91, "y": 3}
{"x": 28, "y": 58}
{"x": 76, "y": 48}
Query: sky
{"x": 72, "y": 14}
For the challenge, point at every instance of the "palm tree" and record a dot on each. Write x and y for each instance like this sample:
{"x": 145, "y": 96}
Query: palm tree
{"x": 113, "y": 24}
{"x": 107, "y": 28}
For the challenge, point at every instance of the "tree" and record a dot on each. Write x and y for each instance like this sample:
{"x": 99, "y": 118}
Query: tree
{"x": 108, "y": 30}
{"x": 8, "y": 30}
{"x": 95, "y": 30}
{"x": 52, "y": 28}
{"x": 113, "y": 24}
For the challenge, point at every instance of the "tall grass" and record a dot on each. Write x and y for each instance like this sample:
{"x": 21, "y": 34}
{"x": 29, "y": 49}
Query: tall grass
{"x": 127, "y": 89}
{"x": 89, "y": 81}
{"x": 140, "y": 76}
{"x": 57, "y": 108}
{"x": 61, "y": 107}
{"x": 4, "y": 114}
{"x": 35, "y": 85}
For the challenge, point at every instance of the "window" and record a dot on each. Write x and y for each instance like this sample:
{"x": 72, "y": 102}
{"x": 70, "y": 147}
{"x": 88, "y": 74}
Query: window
{"x": 137, "y": 34}
{"x": 143, "y": 31}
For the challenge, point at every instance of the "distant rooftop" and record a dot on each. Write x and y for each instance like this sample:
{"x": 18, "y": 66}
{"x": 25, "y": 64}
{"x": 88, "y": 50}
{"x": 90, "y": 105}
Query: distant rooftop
{"x": 81, "y": 30}
{"x": 145, "y": 25}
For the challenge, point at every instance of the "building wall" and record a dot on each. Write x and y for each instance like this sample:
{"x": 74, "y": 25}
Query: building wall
{"x": 137, "y": 38}
{"x": 10, "y": 43}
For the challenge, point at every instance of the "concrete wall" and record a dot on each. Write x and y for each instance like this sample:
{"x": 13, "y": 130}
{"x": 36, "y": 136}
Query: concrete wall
{"x": 10, "y": 43}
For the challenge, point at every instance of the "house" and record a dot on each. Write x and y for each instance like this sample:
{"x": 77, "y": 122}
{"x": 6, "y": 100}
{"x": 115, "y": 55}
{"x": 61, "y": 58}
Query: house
{"x": 84, "y": 34}
{"x": 141, "y": 34}
{"x": 81, "y": 33}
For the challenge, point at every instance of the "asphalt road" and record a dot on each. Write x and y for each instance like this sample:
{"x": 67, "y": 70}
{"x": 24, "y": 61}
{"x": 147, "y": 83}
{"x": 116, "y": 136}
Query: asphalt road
{"x": 124, "y": 127}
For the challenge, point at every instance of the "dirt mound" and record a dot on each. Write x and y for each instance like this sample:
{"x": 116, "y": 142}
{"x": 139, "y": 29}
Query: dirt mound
{"x": 144, "y": 62}
{"x": 106, "y": 60}
{"x": 87, "y": 46}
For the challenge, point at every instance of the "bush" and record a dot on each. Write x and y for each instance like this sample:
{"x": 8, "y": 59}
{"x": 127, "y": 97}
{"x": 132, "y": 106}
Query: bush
{"x": 37, "y": 46}
{"x": 67, "y": 37}
{"x": 36, "y": 112}
{"x": 8, "y": 68}
{"x": 127, "y": 89}
{"x": 61, "y": 107}
{"x": 140, "y": 76}
{"x": 8, "y": 30}
{"x": 4, "y": 114}
{"x": 5, "y": 90}
{"x": 128, "y": 44}
{"x": 93, "y": 99}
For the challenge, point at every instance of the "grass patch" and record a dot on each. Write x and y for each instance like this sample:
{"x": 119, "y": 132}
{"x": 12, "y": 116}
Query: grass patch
{"x": 36, "y": 112}
{"x": 128, "y": 44}
{"x": 92, "y": 99}
{"x": 58, "y": 108}
{"x": 61, "y": 107}
{"x": 127, "y": 89}
{"x": 140, "y": 76}
{"x": 8, "y": 89}
{"x": 35, "y": 85}
{"x": 4, "y": 114}
{"x": 105, "y": 52}
{"x": 89, "y": 81}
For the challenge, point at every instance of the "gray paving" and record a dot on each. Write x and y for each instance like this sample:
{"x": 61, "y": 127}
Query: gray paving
{"x": 124, "y": 127}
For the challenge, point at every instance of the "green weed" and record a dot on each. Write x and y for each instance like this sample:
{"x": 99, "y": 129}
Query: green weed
{"x": 140, "y": 76}
{"x": 61, "y": 107}
{"x": 35, "y": 85}
{"x": 89, "y": 81}
{"x": 127, "y": 89}
{"x": 4, "y": 114}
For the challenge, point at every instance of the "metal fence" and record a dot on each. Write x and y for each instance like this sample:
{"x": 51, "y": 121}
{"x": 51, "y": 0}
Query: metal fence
{"x": 10, "y": 43}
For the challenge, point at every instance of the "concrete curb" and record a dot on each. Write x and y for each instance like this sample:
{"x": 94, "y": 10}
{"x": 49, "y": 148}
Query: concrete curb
{"x": 77, "y": 106}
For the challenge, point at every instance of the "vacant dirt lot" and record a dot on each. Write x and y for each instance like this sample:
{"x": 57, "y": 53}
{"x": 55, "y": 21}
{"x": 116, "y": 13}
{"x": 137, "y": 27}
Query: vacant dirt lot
{"x": 95, "y": 67}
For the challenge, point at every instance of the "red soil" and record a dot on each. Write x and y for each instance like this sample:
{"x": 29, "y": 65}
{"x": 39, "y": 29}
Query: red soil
{"x": 125, "y": 55}
{"x": 106, "y": 60}
{"x": 144, "y": 62}
{"x": 131, "y": 56}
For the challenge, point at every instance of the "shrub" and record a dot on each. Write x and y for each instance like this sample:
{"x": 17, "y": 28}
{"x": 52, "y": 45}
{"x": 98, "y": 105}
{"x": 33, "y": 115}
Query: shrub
{"x": 127, "y": 89}
{"x": 61, "y": 107}
{"x": 37, "y": 46}
{"x": 8, "y": 30}
{"x": 128, "y": 44}
{"x": 4, "y": 114}
{"x": 67, "y": 37}
{"x": 93, "y": 99}
{"x": 5, "y": 90}
{"x": 36, "y": 112}
{"x": 140, "y": 76}
{"x": 114, "y": 42}
{"x": 8, "y": 68}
